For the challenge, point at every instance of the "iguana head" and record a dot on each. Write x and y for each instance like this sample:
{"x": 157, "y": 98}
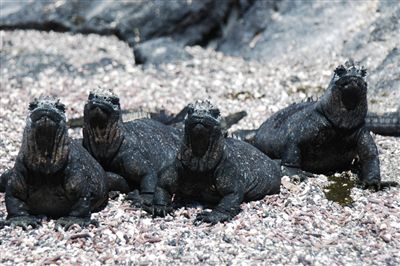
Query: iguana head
{"x": 102, "y": 108}
{"x": 102, "y": 119}
{"x": 345, "y": 101}
{"x": 203, "y": 144}
{"x": 46, "y": 135}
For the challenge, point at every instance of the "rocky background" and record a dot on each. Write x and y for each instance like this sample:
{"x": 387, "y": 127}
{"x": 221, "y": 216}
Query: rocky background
{"x": 249, "y": 55}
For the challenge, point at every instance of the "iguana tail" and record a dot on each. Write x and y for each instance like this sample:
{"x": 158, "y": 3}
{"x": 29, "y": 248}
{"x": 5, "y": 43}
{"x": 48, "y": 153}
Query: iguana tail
{"x": 231, "y": 119}
{"x": 246, "y": 135}
{"x": 387, "y": 124}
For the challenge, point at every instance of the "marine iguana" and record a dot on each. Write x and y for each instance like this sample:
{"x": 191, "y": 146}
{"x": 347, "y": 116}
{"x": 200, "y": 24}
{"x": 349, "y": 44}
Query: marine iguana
{"x": 214, "y": 169}
{"x": 53, "y": 175}
{"x": 327, "y": 135}
{"x": 135, "y": 150}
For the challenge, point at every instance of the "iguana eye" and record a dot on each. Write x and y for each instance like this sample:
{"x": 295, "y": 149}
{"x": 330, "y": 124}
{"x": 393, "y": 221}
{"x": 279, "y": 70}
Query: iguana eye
{"x": 60, "y": 106}
{"x": 363, "y": 72}
{"x": 215, "y": 112}
{"x": 190, "y": 110}
{"x": 32, "y": 106}
{"x": 340, "y": 70}
{"x": 114, "y": 100}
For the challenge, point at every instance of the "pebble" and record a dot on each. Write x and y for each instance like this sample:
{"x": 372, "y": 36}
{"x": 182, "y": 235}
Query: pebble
{"x": 386, "y": 237}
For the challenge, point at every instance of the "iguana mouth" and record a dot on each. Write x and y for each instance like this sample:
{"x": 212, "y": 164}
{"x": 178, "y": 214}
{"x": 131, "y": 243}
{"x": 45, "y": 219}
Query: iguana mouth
{"x": 45, "y": 126}
{"x": 98, "y": 117}
{"x": 353, "y": 91}
{"x": 101, "y": 114}
{"x": 200, "y": 134}
{"x": 101, "y": 119}
{"x": 103, "y": 106}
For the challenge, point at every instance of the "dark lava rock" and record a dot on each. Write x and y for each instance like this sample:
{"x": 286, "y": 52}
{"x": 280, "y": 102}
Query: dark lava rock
{"x": 378, "y": 44}
{"x": 242, "y": 30}
{"x": 133, "y": 21}
{"x": 302, "y": 32}
{"x": 311, "y": 33}
{"x": 159, "y": 51}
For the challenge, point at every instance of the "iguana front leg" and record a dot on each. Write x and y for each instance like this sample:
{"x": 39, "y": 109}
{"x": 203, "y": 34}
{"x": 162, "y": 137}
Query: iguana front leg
{"x": 232, "y": 192}
{"x": 18, "y": 214}
{"x": 291, "y": 162}
{"x": 4, "y": 179}
{"x": 367, "y": 151}
{"x": 17, "y": 209}
{"x": 147, "y": 188}
{"x": 144, "y": 196}
{"x": 117, "y": 183}
{"x": 228, "y": 207}
{"x": 78, "y": 193}
{"x": 166, "y": 187}
{"x": 140, "y": 172}
{"x": 80, "y": 214}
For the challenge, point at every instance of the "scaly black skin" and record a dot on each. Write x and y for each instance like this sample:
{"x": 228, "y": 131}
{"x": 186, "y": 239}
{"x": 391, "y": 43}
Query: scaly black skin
{"x": 53, "y": 175}
{"x": 135, "y": 150}
{"x": 325, "y": 136}
{"x": 214, "y": 169}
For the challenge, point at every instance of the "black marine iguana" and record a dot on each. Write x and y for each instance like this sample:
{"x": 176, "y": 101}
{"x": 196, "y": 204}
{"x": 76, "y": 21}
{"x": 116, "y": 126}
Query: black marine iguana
{"x": 327, "y": 135}
{"x": 53, "y": 175}
{"x": 135, "y": 150}
{"x": 214, "y": 169}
